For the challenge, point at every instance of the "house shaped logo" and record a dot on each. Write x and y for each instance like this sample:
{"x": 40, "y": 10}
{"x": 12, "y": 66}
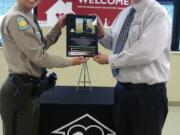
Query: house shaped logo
{"x": 60, "y": 7}
{"x": 84, "y": 125}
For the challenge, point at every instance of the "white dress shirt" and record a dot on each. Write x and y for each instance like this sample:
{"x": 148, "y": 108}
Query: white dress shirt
{"x": 146, "y": 54}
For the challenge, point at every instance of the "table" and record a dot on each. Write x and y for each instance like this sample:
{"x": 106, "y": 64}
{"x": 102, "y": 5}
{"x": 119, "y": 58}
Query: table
{"x": 66, "y": 111}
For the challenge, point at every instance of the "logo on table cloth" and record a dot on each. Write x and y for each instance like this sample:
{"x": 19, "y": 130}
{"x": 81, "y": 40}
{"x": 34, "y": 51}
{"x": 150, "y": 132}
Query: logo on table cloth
{"x": 84, "y": 125}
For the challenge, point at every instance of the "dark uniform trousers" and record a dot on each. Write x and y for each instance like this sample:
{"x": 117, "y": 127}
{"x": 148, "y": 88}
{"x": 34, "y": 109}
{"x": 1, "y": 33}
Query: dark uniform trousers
{"x": 140, "y": 109}
{"x": 27, "y": 119}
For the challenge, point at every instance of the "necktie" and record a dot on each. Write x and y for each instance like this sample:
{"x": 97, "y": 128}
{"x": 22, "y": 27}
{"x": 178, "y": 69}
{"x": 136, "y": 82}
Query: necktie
{"x": 123, "y": 37}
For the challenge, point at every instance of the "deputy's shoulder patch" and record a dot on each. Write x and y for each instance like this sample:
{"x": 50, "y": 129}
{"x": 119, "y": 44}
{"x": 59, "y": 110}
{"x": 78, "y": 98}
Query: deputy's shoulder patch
{"x": 22, "y": 24}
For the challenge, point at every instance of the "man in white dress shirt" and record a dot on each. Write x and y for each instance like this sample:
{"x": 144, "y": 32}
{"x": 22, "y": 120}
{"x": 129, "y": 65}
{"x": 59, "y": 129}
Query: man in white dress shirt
{"x": 142, "y": 65}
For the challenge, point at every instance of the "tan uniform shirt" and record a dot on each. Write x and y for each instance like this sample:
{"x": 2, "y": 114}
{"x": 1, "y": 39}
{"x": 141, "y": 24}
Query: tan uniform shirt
{"x": 22, "y": 45}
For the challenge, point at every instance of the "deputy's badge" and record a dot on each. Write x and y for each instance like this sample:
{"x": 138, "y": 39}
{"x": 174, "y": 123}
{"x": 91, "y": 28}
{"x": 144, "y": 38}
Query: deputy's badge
{"x": 22, "y": 23}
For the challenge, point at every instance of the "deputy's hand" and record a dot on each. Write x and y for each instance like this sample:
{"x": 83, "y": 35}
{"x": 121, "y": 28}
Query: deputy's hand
{"x": 79, "y": 60}
{"x": 100, "y": 27}
{"x": 101, "y": 58}
{"x": 61, "y": 21}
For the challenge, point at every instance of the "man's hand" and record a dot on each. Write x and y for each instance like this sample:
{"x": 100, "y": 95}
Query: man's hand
{"x": 100, "y": 27}
{"x": 79, "y": 60}
{"x": 101, "y": 58}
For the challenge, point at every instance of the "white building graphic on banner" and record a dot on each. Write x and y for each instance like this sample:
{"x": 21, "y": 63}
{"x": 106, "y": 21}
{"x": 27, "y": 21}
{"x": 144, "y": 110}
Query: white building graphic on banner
{"x": 60, "y": 7}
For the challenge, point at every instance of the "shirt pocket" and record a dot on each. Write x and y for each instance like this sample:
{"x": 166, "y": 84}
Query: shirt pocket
{"x": 37, "y": 33}
{"x": 134, "y": 33}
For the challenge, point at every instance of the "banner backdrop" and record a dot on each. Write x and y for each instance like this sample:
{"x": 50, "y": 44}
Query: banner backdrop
{"x": 49, "y": 10}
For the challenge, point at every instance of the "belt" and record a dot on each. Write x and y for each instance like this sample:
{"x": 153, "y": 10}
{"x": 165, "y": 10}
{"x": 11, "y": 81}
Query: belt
{"x": 27, "y": 78}
{"x": 140, "y": 85}
{"x": 38, "y": 85}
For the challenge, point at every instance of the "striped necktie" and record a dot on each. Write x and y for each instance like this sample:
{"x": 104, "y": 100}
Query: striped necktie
{"x": 123, "y": 37}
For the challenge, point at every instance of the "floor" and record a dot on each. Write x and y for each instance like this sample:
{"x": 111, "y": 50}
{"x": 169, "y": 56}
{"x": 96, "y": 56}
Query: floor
{"x": 172, "y": 125}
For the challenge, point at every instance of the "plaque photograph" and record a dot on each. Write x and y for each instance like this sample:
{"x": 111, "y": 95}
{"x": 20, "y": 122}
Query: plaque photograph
{"x": 81, "y": 35}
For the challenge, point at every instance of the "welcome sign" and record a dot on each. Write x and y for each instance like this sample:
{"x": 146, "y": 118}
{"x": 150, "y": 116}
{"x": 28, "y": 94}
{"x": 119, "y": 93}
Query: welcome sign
{"x": 49, "y": 10}
{"x": 106, "y": 9}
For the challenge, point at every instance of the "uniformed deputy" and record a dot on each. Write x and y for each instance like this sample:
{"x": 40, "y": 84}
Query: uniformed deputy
{"x": 25, "y": 48}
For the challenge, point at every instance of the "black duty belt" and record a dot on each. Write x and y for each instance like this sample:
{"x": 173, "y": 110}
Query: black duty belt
{"x": 27, "y": 78}
{"x": 39, "y": 84}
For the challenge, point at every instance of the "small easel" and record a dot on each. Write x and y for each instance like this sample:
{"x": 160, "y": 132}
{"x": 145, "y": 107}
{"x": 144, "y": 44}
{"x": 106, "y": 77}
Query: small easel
{"x": 85, "y": 72}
